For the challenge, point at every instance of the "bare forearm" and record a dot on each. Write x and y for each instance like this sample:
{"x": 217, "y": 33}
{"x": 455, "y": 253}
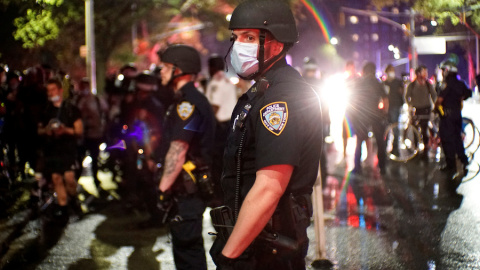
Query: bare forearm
{"x": 173, "y": 164}
{"x": 258, "y": 207}
{"x": 256, "y": 211}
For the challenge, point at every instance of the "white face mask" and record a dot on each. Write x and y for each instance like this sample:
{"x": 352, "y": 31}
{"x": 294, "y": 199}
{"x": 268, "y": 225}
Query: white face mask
{"x": 391, "y": 75}
{"x": 54, "y": 99}
{"x": 244, "y": 58}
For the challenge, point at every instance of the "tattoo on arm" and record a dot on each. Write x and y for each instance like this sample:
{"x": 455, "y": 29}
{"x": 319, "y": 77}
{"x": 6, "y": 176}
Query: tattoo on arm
{"x": 176, "y": 154}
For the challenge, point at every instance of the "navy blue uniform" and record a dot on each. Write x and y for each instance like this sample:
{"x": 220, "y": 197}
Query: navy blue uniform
{"x": 451, "y": 124}
{"x": 283, "y": 126}
{"x": 190, "y": 119}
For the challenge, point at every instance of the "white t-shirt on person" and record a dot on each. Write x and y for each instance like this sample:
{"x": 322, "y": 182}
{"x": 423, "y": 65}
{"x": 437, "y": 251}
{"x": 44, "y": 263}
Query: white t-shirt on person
{"x": 222, "y": 93}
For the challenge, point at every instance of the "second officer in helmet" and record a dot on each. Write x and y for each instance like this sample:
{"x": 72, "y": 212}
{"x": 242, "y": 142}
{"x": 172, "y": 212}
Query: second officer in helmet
{"x": 188, "y": 137}
{"x": 273, "y": 147}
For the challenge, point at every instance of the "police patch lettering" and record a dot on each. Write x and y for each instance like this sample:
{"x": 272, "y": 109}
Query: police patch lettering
{"x": 274, "y": 117}
{"x": 185, "y": 110}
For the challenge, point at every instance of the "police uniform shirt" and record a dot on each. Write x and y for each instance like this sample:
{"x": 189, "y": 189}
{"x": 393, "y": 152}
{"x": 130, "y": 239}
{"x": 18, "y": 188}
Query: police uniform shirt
{"x": 283, "y": 126}
{"x": 453, "y": 94}
{"x": 190, "y": 119}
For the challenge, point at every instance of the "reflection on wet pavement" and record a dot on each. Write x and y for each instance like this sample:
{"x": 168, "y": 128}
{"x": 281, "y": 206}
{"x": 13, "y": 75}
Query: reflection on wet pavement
{"x": 409, "y": 218}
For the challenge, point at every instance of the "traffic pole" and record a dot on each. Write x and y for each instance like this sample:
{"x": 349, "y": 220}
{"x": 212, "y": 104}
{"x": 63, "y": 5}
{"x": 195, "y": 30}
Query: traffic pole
{"x": 321, "y": 261}
{"x": 90, "y": 42}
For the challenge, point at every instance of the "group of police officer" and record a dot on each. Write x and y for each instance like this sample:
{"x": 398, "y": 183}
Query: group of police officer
{"x": 269, "y": 166}
{"x": 272, "y": 150}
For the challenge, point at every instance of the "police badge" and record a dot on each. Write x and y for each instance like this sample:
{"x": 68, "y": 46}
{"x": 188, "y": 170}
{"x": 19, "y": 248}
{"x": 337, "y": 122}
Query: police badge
{"x": 185, "y": 110}
{"x": 274, "y": 117}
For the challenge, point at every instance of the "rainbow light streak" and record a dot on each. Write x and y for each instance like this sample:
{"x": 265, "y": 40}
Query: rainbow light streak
{"x": 348, "y": 127}
{"x": 321, "y": 21}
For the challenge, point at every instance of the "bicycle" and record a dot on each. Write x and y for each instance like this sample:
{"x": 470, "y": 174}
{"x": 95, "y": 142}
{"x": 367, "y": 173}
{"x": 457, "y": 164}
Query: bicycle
{"x": 404, "y": 138}
{"x": 470, "y": 137}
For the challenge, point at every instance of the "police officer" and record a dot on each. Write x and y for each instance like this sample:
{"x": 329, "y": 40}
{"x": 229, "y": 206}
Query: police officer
{"x": 273, "y": 147}
{"x": 189, "y": 133}
{"x": 449, "y": 104}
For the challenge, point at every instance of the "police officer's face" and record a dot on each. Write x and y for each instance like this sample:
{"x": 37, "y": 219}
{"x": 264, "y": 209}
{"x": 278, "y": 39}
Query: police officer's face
{"x": 166, "y": 73}
{"x": 272, "y": 46}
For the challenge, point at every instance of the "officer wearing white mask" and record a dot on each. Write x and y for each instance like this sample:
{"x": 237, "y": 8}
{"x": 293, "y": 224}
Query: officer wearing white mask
{"x": 273, "y": 147}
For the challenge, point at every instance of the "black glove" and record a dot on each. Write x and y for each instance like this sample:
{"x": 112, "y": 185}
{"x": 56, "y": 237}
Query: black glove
{"x": 165, "y": 204}
{"x": 224, "y": 263}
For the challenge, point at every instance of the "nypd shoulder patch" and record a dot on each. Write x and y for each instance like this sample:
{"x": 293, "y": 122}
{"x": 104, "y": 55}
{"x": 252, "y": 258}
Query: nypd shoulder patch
{"x": 274, "y": 117}
{"x": 185, "y": 110}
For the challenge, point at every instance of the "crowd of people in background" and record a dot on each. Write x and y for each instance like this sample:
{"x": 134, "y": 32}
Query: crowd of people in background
{"x": 50, "y": 123}
{"x": 374, "y": 102}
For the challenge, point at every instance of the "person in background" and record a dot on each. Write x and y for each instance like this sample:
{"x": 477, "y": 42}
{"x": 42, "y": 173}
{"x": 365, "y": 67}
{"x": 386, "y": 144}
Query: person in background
{"x": 395, "y": 90}
{"x": 351, "y": 84}
{"x": 312, "y": 76}
{"x": 93, "y": 111}
{"x": 61, "y": 126}
{"x": 421, "y": 95}
{"x": 449, "y": 105}
{"x": 221, "y": 94}
{"x": 365, "y": 103}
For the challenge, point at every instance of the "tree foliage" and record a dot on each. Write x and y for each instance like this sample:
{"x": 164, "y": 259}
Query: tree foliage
{"x": 454, "y": 11}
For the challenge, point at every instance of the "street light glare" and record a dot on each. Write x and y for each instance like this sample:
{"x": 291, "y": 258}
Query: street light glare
{"x": 228, "y": 17}
{"x": 391, "y": 47}
{"x": 334, "y": 41}
{"x": 354, "y": 19}
{"x": 434, "y": 23}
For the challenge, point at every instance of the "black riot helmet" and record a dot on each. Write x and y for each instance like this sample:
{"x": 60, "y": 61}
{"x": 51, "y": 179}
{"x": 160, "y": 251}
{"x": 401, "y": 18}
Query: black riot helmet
{"x": 273, "y": 16}
{"x": 184, "y": 57}
{"x": 215, "y": 64}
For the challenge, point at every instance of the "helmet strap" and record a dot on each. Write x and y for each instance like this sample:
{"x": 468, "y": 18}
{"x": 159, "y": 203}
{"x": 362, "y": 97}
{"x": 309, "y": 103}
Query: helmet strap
{"x": 261, "y": 51}
{"x": 228, "y": 53}
{"x": 172, "y": 76}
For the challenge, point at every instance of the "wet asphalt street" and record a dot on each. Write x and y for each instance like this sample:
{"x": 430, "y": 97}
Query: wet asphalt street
{"x": 413, "y": 217}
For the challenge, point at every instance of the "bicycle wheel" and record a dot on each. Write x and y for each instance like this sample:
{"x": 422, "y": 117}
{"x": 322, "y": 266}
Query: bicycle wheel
{"x": 468, "y": 132}
{"x": 402, "y": 142}
{"x": 473, "y": 171}
{"x": 472, "y": 149}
